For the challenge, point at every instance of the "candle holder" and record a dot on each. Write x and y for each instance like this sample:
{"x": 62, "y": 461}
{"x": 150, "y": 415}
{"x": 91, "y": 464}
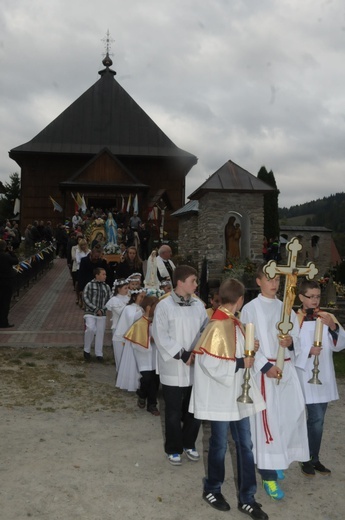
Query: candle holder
{"x": 245, "y": 397}
{"x": 315, "y": 378}
{"x": 280, "y": 358}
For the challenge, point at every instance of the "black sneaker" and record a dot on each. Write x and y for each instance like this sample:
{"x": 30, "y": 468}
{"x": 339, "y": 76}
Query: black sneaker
{"x": 307, "y": 469}
{"x": 320, "y": 468}
{"x": 87, "y": 356}
{"x": 216, "y": 500}
{"x": 253, "y": 510}
{"x": 100, "y": 359}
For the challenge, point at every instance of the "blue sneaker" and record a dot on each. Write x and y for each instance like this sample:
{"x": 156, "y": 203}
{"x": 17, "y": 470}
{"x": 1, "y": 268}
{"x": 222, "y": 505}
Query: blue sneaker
{"x": 175, "y": 459}
{"x": 273, "y": 490}
{"x": 280, "y": 474}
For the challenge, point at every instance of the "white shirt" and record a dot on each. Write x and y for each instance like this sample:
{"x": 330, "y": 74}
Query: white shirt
{"x": 175, "y": 328}
{"x": 304, "y": 364}
{"x": 217, "y": 386}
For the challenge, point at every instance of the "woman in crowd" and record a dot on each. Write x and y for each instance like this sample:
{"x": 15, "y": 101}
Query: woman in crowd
{"x": 130, "y": 263}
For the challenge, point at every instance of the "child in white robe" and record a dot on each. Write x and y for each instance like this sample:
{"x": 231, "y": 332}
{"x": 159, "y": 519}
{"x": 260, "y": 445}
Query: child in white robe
{"x": 218, "y": 380}
{"x": 144, "y": 349}
{"x": 279, "y": 433}
{"x": 317, "y": 396}
{"x": 116, "y": 304}
{"x": 128, "y": 374}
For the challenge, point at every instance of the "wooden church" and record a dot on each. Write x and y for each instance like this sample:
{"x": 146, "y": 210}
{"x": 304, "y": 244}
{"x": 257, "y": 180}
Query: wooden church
{"x": 105, "y": 147}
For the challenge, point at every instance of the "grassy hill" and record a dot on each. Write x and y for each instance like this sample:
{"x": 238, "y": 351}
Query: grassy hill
{"x": 328, "y": 212}
{"x": 300, "y": 220}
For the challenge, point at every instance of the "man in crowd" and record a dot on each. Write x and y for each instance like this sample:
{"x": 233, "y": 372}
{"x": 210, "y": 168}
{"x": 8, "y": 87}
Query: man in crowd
{"x": 7, "y": 274}
{"x": 165, "y": 267}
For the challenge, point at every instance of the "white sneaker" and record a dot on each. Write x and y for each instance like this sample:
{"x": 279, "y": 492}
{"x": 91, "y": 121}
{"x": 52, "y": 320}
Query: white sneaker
{"x": 192, "y": 454}
{"x": 175, "y": 459}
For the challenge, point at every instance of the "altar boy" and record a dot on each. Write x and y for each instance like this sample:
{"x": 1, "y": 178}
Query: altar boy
{"x": 218, "y": 383}
{"x": 279, "y": 433}
{"x": 317, "y": 396}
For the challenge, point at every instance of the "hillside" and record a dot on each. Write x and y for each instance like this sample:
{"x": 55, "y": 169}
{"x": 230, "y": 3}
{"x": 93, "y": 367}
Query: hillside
{"x": 328, "y": 212}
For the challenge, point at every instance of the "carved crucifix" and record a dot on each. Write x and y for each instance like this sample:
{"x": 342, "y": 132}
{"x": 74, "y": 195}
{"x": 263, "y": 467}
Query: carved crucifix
{"x": 291, "y": 271}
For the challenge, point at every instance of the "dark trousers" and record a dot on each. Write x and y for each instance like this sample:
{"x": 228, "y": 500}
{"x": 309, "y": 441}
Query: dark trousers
{"x": 240, "y": 431}
{"x": 149, "y": 384}
{"x": 5, "y": 302}
{"x": 316, "y": 416}
{"x": 181, "y": 427}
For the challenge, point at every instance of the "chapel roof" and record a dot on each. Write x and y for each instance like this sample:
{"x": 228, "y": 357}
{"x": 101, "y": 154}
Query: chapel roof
{"x": 232, "y": 178}
{"x": 104, "y": 116}
{"x": 310, "y": 229}
{"x": 190, "y": 208}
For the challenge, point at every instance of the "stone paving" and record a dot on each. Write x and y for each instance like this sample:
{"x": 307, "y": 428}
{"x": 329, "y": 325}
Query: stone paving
{"x": 47, "y": 314}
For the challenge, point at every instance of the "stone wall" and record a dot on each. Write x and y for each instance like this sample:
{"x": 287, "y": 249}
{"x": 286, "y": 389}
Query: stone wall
{"x": 319, "y": 253}
{"x": 203, "y": 235}
{"x": 188, "y": 239}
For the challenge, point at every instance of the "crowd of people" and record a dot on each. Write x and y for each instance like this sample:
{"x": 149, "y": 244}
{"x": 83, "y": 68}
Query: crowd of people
{"x": 164, "y": 336}
{"x": 198, "y": 356}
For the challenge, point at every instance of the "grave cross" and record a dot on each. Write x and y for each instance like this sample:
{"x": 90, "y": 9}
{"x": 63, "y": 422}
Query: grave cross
{"x": 291, "y": 271}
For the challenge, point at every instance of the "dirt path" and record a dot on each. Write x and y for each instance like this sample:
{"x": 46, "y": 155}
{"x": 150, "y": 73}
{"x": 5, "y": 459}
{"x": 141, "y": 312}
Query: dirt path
{"x": 74, "y": 447}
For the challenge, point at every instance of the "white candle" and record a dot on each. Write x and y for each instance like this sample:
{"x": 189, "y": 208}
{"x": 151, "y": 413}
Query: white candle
{"x": 318, "y": 331}
{"x": 249, "y": 336}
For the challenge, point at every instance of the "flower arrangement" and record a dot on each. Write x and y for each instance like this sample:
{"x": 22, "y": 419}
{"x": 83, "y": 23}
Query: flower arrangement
{"x": 242, "y": 270}
{"x": 111, "y": 249}
{"x": 152, "y": 291}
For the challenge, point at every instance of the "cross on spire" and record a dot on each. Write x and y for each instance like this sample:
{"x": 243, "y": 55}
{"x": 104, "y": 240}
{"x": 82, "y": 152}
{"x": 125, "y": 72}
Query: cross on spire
{"x": 107, "y": 44}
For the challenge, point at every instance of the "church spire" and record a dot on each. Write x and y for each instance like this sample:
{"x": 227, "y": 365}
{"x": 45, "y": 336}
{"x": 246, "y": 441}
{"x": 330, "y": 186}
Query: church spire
{"x": 107, "y": 61}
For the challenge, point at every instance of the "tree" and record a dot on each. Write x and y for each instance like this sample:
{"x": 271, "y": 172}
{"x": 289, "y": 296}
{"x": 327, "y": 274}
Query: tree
{"x": 11, "y": 192}
{"x": 271, "y": 216}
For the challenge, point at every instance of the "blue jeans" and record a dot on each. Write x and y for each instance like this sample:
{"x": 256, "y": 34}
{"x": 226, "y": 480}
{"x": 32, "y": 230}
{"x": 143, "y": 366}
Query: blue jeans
{"x": 316, "y": 416}
{"x": 246, "y": 480}
{"x": 181, "y": 427}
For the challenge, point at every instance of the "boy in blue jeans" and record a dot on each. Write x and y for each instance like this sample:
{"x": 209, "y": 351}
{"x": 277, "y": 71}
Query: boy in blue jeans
{"x": 316, "y": 396}
{"x": 218, "y": 378}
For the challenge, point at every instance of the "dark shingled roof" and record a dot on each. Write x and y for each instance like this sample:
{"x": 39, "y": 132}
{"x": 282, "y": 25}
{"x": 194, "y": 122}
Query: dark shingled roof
{"x": 192, "y": 207}
{"x": 231, "y": 177}
{"x": 104, "y": 116}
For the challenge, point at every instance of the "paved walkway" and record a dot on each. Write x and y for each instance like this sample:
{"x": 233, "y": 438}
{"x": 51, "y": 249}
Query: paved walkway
{"x": 47, "y": 314}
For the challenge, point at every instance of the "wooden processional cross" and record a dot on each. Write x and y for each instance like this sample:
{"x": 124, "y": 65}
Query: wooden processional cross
{"x": 291, "y": 271}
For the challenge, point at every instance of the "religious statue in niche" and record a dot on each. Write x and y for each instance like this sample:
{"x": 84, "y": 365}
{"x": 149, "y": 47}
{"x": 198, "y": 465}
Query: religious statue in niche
{"x": 232, "y": 238}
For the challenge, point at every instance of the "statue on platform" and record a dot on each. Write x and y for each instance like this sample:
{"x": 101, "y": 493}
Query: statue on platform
{"x": 111, "y": 229}
{"x": 232, "y": 239}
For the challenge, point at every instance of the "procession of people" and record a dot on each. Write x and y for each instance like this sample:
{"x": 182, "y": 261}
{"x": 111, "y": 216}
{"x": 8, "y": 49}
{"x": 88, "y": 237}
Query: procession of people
{"x": 199, "y": 354}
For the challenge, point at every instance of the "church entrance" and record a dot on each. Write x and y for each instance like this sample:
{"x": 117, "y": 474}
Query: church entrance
{"x": 104, "y": 203}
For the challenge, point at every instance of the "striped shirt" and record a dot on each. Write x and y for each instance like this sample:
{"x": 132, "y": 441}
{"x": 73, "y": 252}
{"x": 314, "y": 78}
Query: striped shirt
{"x": 96, "y": 294}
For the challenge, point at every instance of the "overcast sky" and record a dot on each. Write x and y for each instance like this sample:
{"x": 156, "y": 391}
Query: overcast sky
{"x": 260, "y": 82}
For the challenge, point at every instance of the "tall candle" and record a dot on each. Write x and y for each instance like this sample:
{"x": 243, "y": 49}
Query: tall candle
{"x": 318, "y": 331}
{"x": 249, "y": 336}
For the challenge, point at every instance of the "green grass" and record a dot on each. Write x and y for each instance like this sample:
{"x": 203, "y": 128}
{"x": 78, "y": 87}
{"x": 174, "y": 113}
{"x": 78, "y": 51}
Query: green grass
{"x": 339, "y": 363}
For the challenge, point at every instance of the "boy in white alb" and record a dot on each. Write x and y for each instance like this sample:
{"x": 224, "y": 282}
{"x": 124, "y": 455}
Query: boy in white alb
{"x": 317, "y": 396}
{"x": 177, "y": 321}
{"x": 279, "y": 433}
{"x": 218, "y": 380}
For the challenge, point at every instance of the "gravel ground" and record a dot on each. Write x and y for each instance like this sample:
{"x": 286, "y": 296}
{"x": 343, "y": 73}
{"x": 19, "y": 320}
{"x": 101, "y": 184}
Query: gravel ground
{"x": 74, "y": 447}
